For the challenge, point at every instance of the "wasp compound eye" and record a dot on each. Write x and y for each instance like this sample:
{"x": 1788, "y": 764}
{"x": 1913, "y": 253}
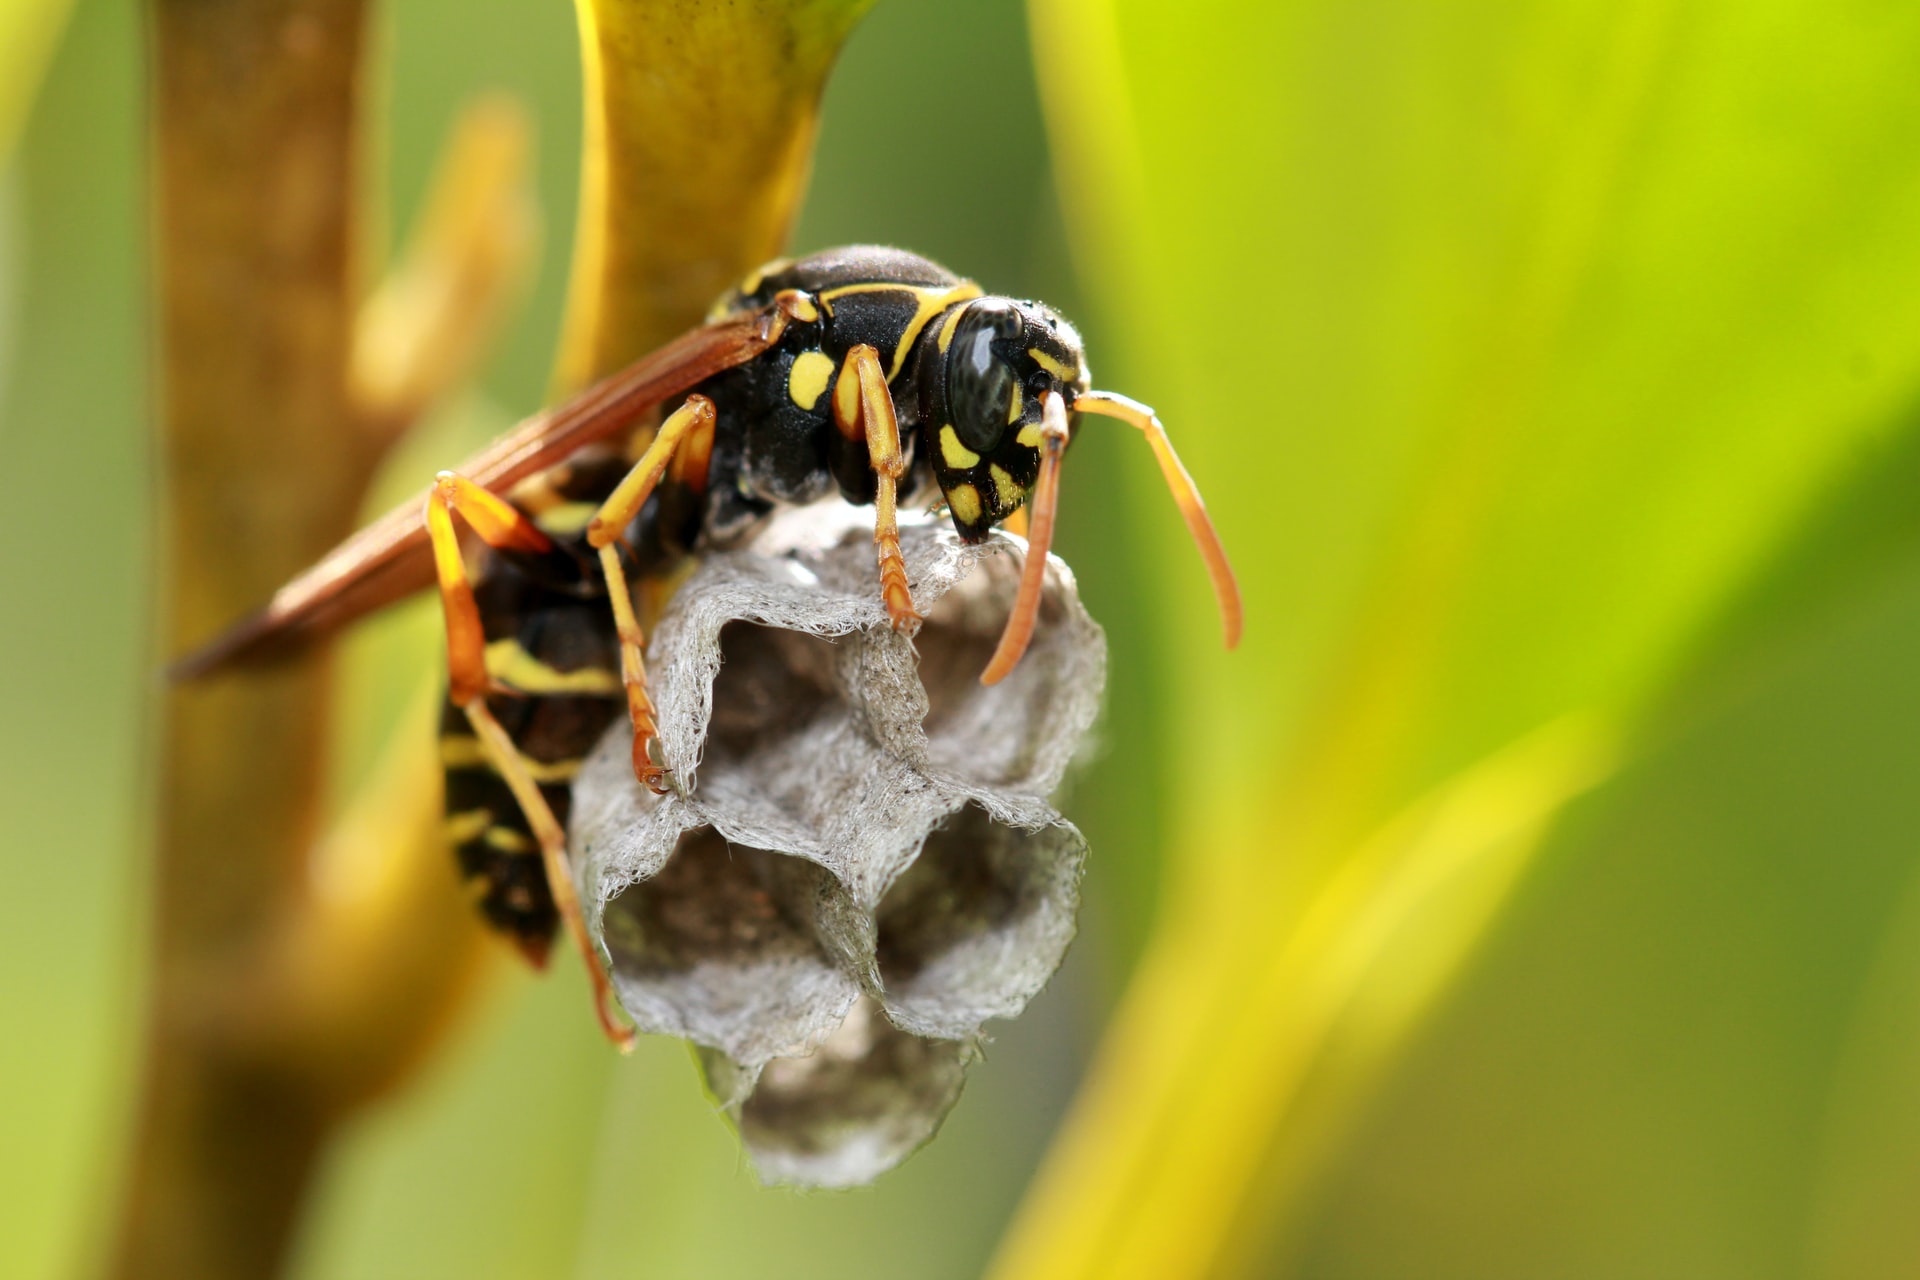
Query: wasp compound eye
{"x": 980, "y": 382}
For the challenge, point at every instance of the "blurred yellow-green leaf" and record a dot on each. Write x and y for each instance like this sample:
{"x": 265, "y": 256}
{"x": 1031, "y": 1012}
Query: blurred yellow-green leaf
{"x": 1528, "y": 335}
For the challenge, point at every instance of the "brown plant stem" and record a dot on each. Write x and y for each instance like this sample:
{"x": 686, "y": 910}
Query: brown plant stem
{"x": 253, "y": 181}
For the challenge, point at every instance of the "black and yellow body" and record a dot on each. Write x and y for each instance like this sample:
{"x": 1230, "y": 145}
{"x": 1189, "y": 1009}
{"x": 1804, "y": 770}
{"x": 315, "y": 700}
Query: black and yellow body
{"x": 551, "y": 651}
{"x": 962, "y": 408}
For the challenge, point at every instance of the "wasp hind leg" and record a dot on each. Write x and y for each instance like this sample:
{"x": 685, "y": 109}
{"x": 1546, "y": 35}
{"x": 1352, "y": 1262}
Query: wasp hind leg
{"x": 686, "y": 437}
{"x": 862, "y": 406}
{"x": 502, "y": 527}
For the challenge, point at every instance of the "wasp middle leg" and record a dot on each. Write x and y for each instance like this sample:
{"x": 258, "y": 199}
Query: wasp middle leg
{"x": 862, "y": 406}
{"x": 687, "y": 434}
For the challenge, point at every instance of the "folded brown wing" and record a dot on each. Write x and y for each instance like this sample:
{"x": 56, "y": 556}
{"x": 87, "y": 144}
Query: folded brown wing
{"x": 390, "y": 558}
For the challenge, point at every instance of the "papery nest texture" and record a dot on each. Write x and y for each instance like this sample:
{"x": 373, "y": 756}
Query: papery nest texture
{"x": 859, "y": 865}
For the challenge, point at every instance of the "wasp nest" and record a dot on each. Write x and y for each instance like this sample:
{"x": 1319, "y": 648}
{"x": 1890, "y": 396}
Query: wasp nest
{"x": 859, "y": 865}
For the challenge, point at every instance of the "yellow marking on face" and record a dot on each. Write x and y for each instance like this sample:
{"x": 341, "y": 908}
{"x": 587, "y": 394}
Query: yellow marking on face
{"x": 946, "y": 330}
{"x": 512, "y": 665}
{"x": 1051, "y": 365}
{"x": 507, "y": 840}
{"x": 929, "y": 300}
{"x": 462, "y": 752}
{"x": 956, "y": 455}
{"x": 1011, "y": 494}
{"x": 807, "y": 381}
{"x": 1016, "y": 404}
{"x": 462, "y": 827}
{"x": 1030, "y": 435}
{"x": 964, "y": 499}
{"x": 567, "y": 519}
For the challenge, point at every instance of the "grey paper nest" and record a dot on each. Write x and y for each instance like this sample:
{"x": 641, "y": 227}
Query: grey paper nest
{"x": 860, "y": 865}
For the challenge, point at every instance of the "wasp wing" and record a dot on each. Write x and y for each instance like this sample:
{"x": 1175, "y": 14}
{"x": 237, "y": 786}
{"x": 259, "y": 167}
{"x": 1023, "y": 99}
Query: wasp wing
{"x": 391, "y": 559}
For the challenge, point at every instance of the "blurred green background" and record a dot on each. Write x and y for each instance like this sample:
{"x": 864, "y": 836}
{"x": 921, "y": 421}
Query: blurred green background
{"x": 1543, "y": 365}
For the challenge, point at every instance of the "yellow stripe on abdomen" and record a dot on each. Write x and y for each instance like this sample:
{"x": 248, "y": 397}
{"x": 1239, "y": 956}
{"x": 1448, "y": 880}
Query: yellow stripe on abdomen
{"x": 510, "y": 664}
{"x": 462, "y": 827}
{"x": 459, "y": 752}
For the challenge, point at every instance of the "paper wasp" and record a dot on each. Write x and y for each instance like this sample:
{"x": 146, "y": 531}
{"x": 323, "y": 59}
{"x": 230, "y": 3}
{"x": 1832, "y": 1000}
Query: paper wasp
{"x": 868, "y": 371}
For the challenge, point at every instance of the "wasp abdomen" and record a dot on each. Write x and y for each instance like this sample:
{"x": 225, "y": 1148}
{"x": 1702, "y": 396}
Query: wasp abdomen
{"x": 558, "y": 668}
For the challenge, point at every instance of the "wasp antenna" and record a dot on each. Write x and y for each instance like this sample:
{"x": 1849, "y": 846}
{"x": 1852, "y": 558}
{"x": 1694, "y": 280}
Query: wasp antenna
{"x": 1045, "y": 505}
{"x": 1225, "y": 588}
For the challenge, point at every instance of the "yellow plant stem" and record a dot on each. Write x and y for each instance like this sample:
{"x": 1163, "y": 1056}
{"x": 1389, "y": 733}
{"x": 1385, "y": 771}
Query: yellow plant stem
{"x": 700, "y": 121}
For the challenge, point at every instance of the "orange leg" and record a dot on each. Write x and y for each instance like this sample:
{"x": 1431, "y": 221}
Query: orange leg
{"x": 862, "y": 405}
{"x": 501, "y": 526}
{"x": 507, "y": 761}
{"x": 690, "y": 426}
{"x": 1033, "y": 574}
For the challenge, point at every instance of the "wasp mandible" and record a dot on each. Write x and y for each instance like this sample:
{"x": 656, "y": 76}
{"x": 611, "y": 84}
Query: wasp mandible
{"x": 868, "y": 371}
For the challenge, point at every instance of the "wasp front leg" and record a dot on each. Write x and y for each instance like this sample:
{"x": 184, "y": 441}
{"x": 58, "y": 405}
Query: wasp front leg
{"x": 504, "y": 528}
{"x": 688, "y": 432}
{"x": 863, "y": 407}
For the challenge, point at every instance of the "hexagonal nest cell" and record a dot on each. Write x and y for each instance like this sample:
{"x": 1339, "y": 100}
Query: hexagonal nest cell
{"x": 867, "y": 1098}
{"x": 975, "y": 927}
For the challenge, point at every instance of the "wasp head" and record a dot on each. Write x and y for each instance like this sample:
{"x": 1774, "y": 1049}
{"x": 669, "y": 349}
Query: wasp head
{"x": 995, "y": 362}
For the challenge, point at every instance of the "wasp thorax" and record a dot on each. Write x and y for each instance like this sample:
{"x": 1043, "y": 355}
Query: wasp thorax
{"x": 996, "y": 359}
